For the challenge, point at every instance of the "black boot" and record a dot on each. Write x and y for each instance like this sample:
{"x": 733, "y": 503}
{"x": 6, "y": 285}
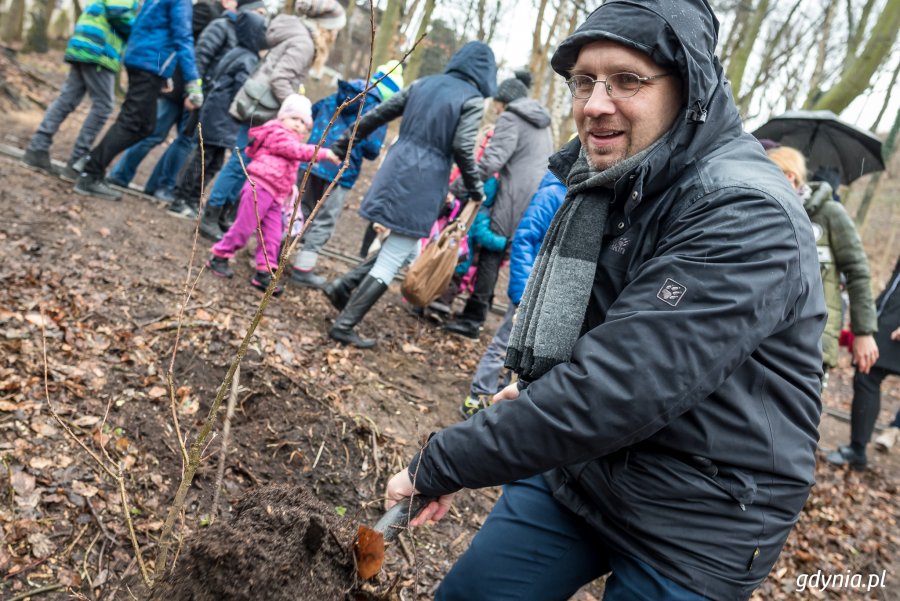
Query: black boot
{"x": 468, "y": 323}
{"x": 339, "y": 291}
{"x": 363, "y": 299}
{"x": 209, "y": 223}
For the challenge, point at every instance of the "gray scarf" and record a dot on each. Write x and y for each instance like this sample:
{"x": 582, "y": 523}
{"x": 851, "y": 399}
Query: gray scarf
{"x": 551, "y": 313}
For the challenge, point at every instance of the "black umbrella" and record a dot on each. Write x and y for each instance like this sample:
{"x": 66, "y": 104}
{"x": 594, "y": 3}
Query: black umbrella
{"x": 826, "y": 141}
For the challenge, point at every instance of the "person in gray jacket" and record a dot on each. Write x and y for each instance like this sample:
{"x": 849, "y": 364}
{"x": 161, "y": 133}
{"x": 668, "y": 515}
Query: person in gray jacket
{"x": 441, "y": 114}
{"x": 518, "y": 150}
{"x": 665, "y": 422}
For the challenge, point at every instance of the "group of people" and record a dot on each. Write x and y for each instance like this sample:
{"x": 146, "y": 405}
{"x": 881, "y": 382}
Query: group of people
{"x": 670, "y": 323}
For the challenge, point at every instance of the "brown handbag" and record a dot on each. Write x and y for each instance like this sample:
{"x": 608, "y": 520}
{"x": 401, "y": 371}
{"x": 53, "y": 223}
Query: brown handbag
{"x": 430, "y": 274}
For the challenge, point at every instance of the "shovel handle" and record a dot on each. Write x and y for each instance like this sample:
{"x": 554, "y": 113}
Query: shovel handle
{"x": 397, "y": 517}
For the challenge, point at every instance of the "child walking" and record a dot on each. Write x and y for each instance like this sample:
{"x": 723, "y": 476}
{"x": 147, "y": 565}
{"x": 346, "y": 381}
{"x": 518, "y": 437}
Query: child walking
{"x": 277, "y": 148}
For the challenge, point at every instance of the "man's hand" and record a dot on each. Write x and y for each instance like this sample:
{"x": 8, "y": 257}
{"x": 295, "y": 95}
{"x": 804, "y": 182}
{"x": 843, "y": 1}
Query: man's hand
{"x": 865, "y": 353}
{"x": 895, "y": 335}
{"x": 168, "y": 87}
{"x": 400, "y": 486}
{"x": 189, "y": 105}
{"x": 510, "y": 393}
{"x": 328, "y": 155}
{"x": 339, "y": 148}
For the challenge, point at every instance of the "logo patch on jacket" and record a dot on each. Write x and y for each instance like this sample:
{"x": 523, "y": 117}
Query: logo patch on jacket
{"x": 671, "y": 293}
{"x": 620, "y": 245}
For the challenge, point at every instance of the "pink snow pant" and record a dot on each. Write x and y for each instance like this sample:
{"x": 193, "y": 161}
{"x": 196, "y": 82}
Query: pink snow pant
{"x": 270, "y": 222}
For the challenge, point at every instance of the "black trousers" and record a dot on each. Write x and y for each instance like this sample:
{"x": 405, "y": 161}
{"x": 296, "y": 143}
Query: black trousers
{"x": 136, "y": 120}
{"x": 866, "y": 405}
{"x": 198, "y": 171}
{"x": 485, "y": 279}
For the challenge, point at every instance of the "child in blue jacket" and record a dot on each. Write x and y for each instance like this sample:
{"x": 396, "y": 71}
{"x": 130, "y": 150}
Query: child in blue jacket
{"x": 523, "y": 252}
{"x": 322, "y": 227}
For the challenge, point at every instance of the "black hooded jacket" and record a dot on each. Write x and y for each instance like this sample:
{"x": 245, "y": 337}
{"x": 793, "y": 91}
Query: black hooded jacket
{"x": 683, "y": 429}
{"x": 441, "y": 115}
{"x": 219, "y": 127}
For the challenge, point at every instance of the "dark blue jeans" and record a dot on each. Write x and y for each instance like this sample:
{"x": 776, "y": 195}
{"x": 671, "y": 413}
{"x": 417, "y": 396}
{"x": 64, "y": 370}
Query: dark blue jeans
{"x": 531, "y": 548}
{"x": 227, "y": 187}
{"x": 168, "y": 113}
{"x": 165, "y": 173}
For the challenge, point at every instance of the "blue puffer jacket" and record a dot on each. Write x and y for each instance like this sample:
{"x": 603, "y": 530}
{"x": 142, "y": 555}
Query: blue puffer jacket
{"x": 162, "y": 37}
{"x": 367, "y": 148}
{"x": 531, "y": 231}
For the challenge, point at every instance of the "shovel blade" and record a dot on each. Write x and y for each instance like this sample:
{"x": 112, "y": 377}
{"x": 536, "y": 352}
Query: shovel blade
{"x": 369, "y": 551}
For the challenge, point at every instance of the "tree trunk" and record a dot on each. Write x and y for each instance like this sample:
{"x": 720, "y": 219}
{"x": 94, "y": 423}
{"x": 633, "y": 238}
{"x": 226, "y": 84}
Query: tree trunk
{"x": 414, "y": 63}
{"x": 407, "y": 16}
{"x": 541, "y": 71}
{"x": 347, "y": 41}
{"x": 856, "y": 33}
{"x": 38, "y": 37}
{"x": 15, "y": 21}
{"x": 741, "y": 16}
{"x": 480, "y": 15}
{"x": 387, "y": 30}
{"x": 855, "y": 78}
{"x": 495, "y": 18}
{"x": 737, "y": 62}
{"x": 537, "y": 42}
{"x": 77, "y": 6}
{"x": 887, "y": 151}
{"x": 819, "y": 70}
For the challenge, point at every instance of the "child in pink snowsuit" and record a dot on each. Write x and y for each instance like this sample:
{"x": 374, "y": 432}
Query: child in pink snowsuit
{"x": 277, "y": 148}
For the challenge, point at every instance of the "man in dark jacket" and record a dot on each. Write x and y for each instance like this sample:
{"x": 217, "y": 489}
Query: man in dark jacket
{"x": 161, "y": 37}
{"x": 441, "y": 115}
{"x": 664, "y": 426}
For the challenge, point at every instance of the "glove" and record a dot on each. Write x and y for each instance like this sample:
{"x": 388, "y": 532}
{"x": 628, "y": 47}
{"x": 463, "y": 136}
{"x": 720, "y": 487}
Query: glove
{"x": 194, "y": 90}
{"x": 340, "y": 147}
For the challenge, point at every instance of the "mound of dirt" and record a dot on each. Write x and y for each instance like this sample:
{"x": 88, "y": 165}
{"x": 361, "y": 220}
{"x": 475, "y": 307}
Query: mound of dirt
{"x": 281, "y": 544}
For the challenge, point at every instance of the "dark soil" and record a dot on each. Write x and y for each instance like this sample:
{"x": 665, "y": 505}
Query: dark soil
{"x": 281, "y": 544}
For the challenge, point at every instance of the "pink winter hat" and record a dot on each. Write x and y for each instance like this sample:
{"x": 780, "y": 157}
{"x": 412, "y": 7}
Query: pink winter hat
{"x": 299, "y": 106}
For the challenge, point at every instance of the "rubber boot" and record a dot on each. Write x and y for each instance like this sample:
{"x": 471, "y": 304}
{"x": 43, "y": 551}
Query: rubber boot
{"x": 209, "y": 223}
{"x": 363, "y": 299}
{"x": 339, "y": 291}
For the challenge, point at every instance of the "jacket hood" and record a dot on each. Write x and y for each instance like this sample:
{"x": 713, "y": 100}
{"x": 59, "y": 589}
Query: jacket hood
{"x": 348, "y": 89}
{"x": 251, "y": 31}
{"x": 680, "y": 35}
{"x": 475, "y": 62}
{"x": 531, "y": 110}
{"x": 550, "y": 180}
{"x": 285, "y": 27}
{"x": 818, "y": 194}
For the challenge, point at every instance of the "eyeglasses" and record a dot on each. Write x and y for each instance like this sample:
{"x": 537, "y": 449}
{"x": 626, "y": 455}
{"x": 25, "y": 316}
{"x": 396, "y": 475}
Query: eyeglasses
{"x": 618, "y": 85}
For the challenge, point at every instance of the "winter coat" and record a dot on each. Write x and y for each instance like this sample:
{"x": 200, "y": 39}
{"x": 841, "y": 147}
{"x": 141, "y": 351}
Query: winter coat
{"x": 888, "y": 307}
{"x": 276, "y": 152}
{"x": 365, "y": 148}
{"x": 291, "y": 53}
{"x": 217, "y": 39}
{"x": 481, "y": 234}
{"x": 683, "y": 429}
{"x": 519, "y": 150}
{"x": 101, "y": 32}
{"x": 840, "y": 251}
{"x": 441, "y": 114}
{"x": 219, "y": 127}
{"x": 202, "y": 14}
{"x": 162, "y": 37}
{"x": 531, "y": 231}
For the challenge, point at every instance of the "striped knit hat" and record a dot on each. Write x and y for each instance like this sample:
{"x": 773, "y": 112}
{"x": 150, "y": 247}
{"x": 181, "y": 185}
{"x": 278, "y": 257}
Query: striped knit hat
{"x": 392, "y": 83}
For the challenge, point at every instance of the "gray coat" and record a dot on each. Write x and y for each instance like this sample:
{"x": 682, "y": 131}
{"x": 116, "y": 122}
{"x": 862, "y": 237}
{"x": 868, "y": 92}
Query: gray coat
{"x": 684, "y": 426}
{"x": 519, "y": 150}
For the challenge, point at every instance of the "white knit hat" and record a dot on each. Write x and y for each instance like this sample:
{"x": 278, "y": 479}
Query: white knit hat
{"x": 327, "y": 14}
{"x": 297, "y": 106}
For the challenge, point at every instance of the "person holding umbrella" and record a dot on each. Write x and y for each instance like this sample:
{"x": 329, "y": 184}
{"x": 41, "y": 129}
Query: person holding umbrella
{"x": 840, "y": 251}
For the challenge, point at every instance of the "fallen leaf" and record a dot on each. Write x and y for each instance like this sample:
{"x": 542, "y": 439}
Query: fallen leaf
{"x": 35, "y": 319}
{"x": 41, "y": 546}
{"x": 411, "y": 348}
{"x": 86, "y": 421}
{"x": 104, "y": 232}
{"x": 157, "y": 392}
{"x": 203, "y": 315}
{"x": 39, "y": 463}
{"x": 84, "y": 489}
{"x": 22, "y": 483}
{"x": 122, "y": 444}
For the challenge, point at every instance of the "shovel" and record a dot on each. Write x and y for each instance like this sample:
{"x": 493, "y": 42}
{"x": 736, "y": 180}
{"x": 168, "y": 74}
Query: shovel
{"x": 369, "y": 545}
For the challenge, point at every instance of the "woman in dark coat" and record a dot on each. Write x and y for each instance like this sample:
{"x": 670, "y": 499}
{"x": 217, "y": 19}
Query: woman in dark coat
{"x": 217, "y": 128}
{"x": 867, "y": 386}
{"x": 441, "y": 114}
